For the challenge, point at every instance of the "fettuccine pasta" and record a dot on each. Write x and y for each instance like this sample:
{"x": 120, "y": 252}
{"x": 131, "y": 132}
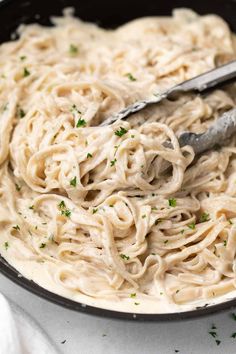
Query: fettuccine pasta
{"x": 110, "y": 216}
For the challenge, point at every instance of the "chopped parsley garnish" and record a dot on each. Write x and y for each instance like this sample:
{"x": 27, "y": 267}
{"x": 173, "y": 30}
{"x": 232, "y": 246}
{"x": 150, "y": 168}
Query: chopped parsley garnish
{"x": 213, "y": 334}
{"x": 154, "y": 208}
{"x": 62, "y": 204}
{"x": 73, "y": 49}
{"x": 74, "y": 109}
{"x": 130, "y": 77}
{"x": 120, "y": 132}
{"x": 73, "y": 182}
{"x": 89, "y": 155}
{"x": 18, "y": 188}
{"x": 230, "y": 221}
{"x": 233, "y": 316}
{"x": 225, "y": 243}
{"x": 16, "y": 227}
{"x": 132, "y": 136}
{"x": 6, "y": 245}
{"x": 123, "y": 256}
{"x": 137, "y": 303}
{"x": 233, "y": 335}
{"x": 111, "y": 205}
{"x": 144, "y": 216}
{"x": 218, "y": 342}
{"x": 176, "y": 351}
{"x": 20, "y": 112}
{"x": 22, "y": 57}
{"x": 64, "y": 211}
{"x": 43, "y": 245}
{"x": 166, "y": 241}
{"x": 133, "y": 295}
{"x": 81, "y": 123}
{"x": 204, "y": 217}
{"x": 113, "y": 162}
{"x": 192, "y": 226}
{"x": 172, "y": 202}
{"x": 182, "y": 231}
{"x": 31, "y": 207}
{"x": 26, "y": 72}
{"x": 95, "y": 210}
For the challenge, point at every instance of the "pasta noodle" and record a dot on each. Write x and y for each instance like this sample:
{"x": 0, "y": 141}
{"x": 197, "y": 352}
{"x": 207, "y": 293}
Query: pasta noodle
{"x": 110, "y": 216}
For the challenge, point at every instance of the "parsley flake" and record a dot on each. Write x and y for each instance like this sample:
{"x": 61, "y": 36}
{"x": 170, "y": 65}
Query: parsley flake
{"x": 81, "y": 123}
{"x": 112, "y": 163}
{"x": 64, "y": 211}
{"x": 22, "y": 57}
{"x": 225, "y": 243}
{"x": 75, "y": 110}
{"x": 16, "y": 227}
{"x": 43, "y": 245}
{"x": 62, "y": 204}
{"x": 204, "y": 217}
{"x": 73, "y": 181}
{"x": 18, "y": 188}
{"x": 172, "y": 202}
{"x": 137, "y": 303}
{"x": 133, "y": 295}
{"x": 123, "y": 256}
{"x": 192, "y": 226}
{"x": 31, "y": 207}
{"x": 6, "y": 245}
{"x": 26, "y": 72}
{"x": 20, "y": 112}
{"x": 89, "y": 155}
{"x": 218, "y": 342}
{"x": 120, "y": 132}
{"x": 233, "y": 335}
{"x": 131, "y": 77}
{"x": 233, "y": 316}
{"x": 73, "y": 49}
{"x": 213, "y": 334}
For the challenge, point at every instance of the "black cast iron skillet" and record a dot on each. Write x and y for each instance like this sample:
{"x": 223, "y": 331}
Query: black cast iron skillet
{"x": 106, "y": 13}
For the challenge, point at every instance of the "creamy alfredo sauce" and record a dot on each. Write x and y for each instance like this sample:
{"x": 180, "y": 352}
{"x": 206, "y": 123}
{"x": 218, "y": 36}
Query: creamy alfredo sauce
{"x": 93, "y": 213}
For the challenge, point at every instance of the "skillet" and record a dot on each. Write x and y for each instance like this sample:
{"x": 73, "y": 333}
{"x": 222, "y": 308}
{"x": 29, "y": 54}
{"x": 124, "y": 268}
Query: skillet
{"x": 109, "y": 14}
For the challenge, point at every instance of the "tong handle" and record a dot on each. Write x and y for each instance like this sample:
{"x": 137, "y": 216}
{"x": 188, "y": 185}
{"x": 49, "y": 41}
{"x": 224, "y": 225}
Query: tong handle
{"x": 210, "y": 79}
{"x": 200, "y": 83}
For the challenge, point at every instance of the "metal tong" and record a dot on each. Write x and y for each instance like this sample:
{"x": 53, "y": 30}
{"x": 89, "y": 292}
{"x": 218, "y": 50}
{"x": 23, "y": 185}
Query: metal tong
{"x": 220, "y": 131}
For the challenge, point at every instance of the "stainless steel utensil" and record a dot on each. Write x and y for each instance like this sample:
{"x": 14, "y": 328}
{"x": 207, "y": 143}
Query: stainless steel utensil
{"x": 203, "y": 82}
{"x": 218, "y": 133}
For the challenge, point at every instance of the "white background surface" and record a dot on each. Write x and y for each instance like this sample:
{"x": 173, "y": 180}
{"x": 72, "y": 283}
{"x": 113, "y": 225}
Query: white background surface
{"x": 84, "y": 334}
